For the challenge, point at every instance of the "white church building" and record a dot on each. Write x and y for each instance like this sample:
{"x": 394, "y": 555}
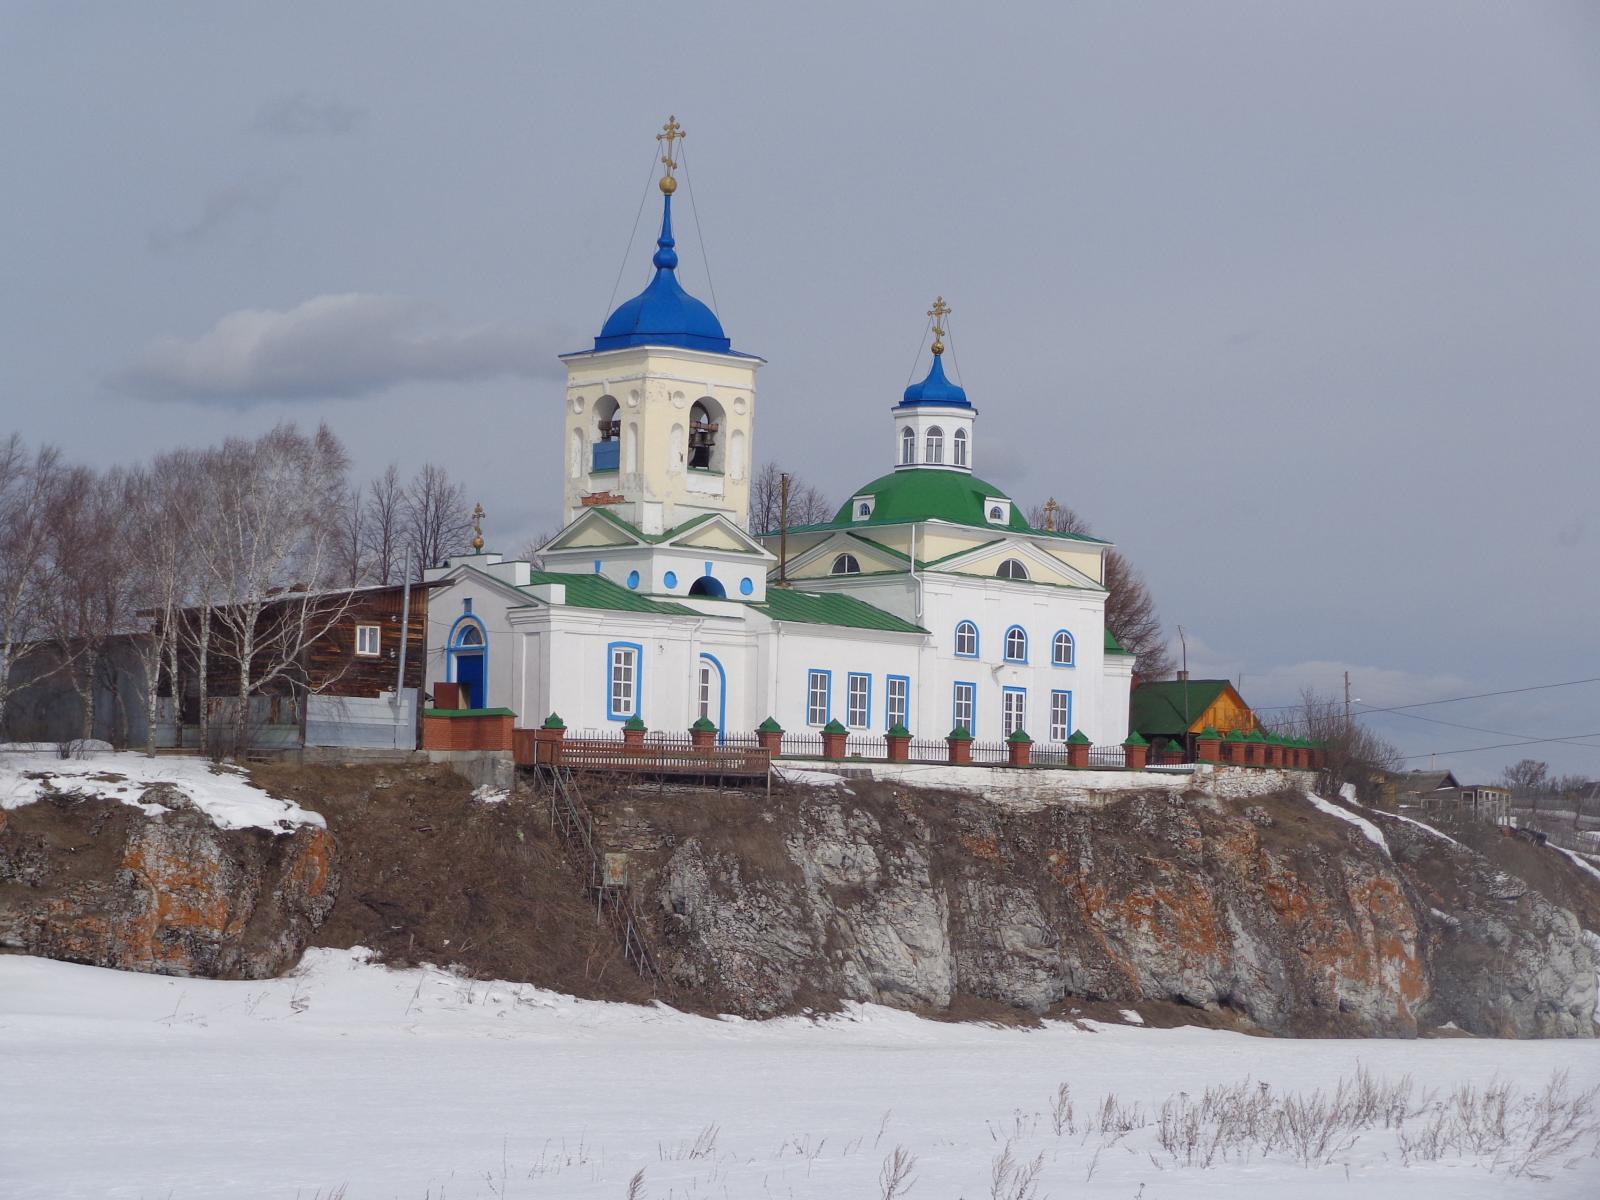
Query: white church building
{"x": 928, "y": 601}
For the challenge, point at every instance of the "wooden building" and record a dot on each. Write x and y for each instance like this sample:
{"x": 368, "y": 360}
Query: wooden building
{"x": 1176, "y": 710}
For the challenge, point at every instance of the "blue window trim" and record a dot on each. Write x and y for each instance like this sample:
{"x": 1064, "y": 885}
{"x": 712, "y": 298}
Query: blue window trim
{"x": 858, "y": 675}
{"x": 722, "y": 697}
{"x": 1068, "y": 728}
{"x": 827, "y": 699}
{"x": 972, "y": 726}
{"x": 1072, "y": 649}
{"x": 638, "y": 680}
{"x": 452, "y": 651}
{"x": 1007, "y": 691}
{"x": 977, "y": 645}
{"x": 888, "y": 720}
{"x": 1005, "y": 644}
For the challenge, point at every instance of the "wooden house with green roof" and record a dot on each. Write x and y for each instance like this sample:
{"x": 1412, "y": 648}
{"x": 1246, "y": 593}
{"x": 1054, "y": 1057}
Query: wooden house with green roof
{"x": 1179, "y": 709}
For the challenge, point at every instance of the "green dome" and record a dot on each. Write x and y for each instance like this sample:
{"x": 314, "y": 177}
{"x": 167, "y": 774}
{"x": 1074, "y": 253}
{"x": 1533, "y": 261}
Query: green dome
{"x": 925, "y": 494}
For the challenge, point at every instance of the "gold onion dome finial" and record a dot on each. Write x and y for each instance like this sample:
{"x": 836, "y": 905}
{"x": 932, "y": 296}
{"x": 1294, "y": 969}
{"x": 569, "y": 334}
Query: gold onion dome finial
{"x": 477, "y": 527}
{"x": 670, "y": 132}
{"x": 938, "y": 312}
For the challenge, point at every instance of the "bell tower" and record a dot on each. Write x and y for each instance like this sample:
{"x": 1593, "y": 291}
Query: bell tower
{"x": 933, "y": 423}
{"x": 660, "y": 415}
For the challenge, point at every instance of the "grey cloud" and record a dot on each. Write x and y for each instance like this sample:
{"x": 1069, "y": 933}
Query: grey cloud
{"x": 258, "y": 195}
{"x": 301, "y": 114}
{"x": 331, "y": 346}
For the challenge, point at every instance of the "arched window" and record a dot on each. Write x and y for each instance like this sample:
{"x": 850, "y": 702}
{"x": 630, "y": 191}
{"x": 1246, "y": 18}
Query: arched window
{"x": 967, "y": 640}
{"x": 935, "y": 450}
{"x": 1061, "y": 649}
{"x": 908, "y": 446}
{"x": 705, "y": 419}
{"x": 1012, "y": 569}
{"x": 958, "y": 454}
{"x": 706, "y": 585}
{"x": 608, "y": 427}
{"x": 1016, "y": 644}
{"x": 845, "y": 564}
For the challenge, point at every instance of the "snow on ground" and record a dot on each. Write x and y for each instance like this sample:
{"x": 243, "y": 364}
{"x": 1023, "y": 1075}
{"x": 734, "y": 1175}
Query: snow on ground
{"x": 420, "y": 1084}
{"x": 1372, "y": 832}
{"x": 1580, "y": 860}
{"x": 223, "y": 793}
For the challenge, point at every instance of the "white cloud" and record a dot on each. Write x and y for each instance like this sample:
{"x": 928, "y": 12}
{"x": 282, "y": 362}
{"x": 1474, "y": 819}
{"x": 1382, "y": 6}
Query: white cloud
{"x": 331, "y": 346}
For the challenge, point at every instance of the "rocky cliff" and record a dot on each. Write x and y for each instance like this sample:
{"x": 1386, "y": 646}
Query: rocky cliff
{"x": 96, "y": 881}
{"x": 1266, "y": 912}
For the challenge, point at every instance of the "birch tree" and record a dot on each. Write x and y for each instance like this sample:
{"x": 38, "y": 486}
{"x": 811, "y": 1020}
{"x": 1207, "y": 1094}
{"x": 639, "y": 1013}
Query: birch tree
{"x": 160, "y": 496}
{"x": 270, "y": 546}
{"x": 27, "y": 488}
{"x": 438, "y": 521}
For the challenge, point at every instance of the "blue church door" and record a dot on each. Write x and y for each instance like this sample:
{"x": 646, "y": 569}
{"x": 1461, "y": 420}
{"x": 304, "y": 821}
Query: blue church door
{"x": 469, "y": 674}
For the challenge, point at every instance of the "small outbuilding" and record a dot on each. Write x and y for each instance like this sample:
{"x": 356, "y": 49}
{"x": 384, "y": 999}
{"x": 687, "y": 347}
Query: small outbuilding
{"x": 1176, "y": 710}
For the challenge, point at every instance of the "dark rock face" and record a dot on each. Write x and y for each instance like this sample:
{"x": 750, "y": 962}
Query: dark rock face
{"x": 1272, "y": 910}
{"x": 97, "y": 882}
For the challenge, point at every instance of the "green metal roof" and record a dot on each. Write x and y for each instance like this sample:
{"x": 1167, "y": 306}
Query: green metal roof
{"x": 1113, "y": 646}
{"x": 596, "y": 591}
{"x": 1157, "y": 709}
{"x": 931, "y": 494}
{"x": 830, "y": 608}
{"x": 653, "y": 538}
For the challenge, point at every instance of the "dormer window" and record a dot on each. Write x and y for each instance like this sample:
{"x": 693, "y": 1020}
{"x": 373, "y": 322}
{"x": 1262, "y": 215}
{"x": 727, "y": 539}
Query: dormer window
{"x": 958, "y": 446}
{"x": 862, "y": 507}
{"x": 997, "y": 510}
{"x": 935, "y": 447}
{"x": 908, "y": 446}
{"x": 845, "y": 564}
{"x": 1012, "y": 568}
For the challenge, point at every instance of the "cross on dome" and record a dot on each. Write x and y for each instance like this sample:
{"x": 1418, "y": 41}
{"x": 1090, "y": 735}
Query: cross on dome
{"x": 670, "y": 132}
{"x": 938, "y": 312}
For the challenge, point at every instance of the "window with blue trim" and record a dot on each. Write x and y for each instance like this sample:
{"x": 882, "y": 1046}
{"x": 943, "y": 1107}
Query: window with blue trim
{"x": 967, "y": 640}
{"x": 1060, "y": 716}
{"x": 1013, "y": 711}
{"x": 858, "y": 700}
{"x": 1017, "y": 644}
{"x": 623, "y": 694}
{"x": 818, "y": 686}
{"x": 964, "y": 707}
{"x": 1062, "y": 648}
{"x": 897, "y": 711}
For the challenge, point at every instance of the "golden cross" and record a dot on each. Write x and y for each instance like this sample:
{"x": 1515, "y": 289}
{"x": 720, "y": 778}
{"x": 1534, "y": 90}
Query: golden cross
{"x": 477, "y": 526}
{"x": 670, "y": 132}
{"x": 1051, "y": 510}
{"x": 938, "y": 312}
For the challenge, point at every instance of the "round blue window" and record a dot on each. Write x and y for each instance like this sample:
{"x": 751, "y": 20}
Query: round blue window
{"x": 633, "y": 579}
{"x": 670, "y": 579}
{"x": 746, "y": 586}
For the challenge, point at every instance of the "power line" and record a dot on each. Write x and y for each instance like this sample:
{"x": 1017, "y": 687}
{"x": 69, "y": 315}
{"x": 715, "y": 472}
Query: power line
{"x": 1482, "y": 729}
{"x": 633, "y": 233}
{"x": 1540, "y": 687}
{"x": 694, "y": 210}
{"x": 1501, "y": 746}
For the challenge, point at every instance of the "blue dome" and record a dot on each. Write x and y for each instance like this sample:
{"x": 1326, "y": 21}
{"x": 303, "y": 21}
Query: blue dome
{"x": 936, "y": 389}
{"x": 664, "y": 314}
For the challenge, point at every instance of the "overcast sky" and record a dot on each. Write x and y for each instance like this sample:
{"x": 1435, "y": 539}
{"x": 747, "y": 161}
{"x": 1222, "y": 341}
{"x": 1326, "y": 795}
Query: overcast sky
{"x": 1297, "y": 304}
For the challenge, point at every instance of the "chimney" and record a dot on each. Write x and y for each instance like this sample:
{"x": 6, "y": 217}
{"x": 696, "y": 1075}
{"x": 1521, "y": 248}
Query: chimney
{"x": 1183, "y": 677}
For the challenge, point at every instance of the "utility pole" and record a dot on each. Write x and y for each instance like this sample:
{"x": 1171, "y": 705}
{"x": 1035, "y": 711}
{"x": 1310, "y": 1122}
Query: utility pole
{"x": 783, "y": 530}
{"x": 1347, "y": 700}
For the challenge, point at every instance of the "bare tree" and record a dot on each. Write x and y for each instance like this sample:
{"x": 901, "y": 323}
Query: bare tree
{"x": 27, "y": 486}
{"x": 270, "y": 548}
{"x": 350, "y": 544}
{"x": 1355, "y": 754}
{"x": 530, "y": 550}
{"x": 437, "y": 518}
{"x": 383, "y": 525}
{"x": 1130, "y": 609}
{"x": 807, "y": 505}
{"x": 159, "y": 499}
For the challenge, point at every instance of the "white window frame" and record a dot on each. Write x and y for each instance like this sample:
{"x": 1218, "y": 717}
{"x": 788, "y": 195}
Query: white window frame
{"x": 1013, "y": 710}
{"x": 1019, "y": 635}
{"x": 958, "y": 453}
{"x": 624, "y": 683}
{"x": 964, "y": 701}
{"x": 1055, "y": 649}
{"x": 897, "y": 703}
{"x": 967, "y": 625}
{"x": 819, "y": 696}
{"x": 908, "y": 446}
{"x": 704, "y": 685}
{"x": 933, "y": 446}
{"x": 858, "y": 700}
{"x": 1060, "y": 715}
{"x": 363, "y": 632}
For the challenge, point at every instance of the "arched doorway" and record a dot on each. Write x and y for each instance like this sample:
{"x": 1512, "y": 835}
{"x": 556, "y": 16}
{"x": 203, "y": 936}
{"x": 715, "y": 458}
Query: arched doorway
{"x": 469, "y": 655}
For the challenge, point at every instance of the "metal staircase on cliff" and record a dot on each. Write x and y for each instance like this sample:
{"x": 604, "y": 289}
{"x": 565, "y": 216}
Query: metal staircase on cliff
{"x": 570, "y": 818}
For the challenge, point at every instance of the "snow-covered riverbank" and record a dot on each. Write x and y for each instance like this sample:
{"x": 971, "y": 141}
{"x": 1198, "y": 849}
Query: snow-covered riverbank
{"x": 420, "y": 1084}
